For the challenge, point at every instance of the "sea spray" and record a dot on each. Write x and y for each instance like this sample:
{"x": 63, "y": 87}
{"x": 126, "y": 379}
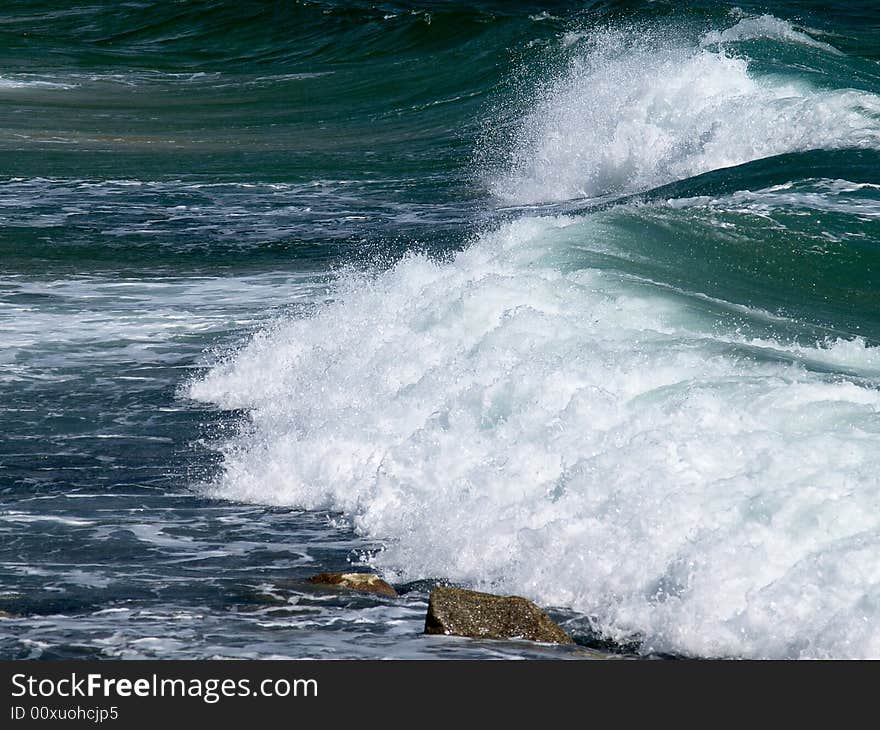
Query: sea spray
{"x": 635, "y": 109}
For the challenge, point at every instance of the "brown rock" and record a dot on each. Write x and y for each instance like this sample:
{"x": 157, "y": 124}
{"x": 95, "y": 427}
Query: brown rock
{"x": 364, "y": 582}
{"x": 6, "y": 614}
{"x": 458, "y": 612}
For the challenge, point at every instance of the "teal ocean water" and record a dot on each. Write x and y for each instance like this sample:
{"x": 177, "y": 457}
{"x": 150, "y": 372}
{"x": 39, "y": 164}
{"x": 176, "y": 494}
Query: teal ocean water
{"x": 573, "y": 300}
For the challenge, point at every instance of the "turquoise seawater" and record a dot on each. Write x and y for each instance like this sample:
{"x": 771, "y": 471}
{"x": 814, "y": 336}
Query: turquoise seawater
{"x": 573, "y": 300}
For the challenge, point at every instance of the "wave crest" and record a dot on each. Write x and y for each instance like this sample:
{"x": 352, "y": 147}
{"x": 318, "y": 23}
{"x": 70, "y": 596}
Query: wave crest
{"x": 579, "y": 439}
{"x": 636, "y": 111}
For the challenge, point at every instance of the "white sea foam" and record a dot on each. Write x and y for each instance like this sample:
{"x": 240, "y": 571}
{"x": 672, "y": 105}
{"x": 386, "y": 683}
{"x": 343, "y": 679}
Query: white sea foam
{"x": 32, "y": 81}
{"x": 87, "y": 319}
{"x": 577, "y": 438}
{"x": 828, "y": 196}
{"x": 632, "y": 112}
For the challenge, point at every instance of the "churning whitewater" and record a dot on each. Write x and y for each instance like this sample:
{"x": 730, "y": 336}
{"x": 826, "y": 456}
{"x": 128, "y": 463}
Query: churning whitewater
{"x": 637, "y": 110}
{"x": 549, "y": 413}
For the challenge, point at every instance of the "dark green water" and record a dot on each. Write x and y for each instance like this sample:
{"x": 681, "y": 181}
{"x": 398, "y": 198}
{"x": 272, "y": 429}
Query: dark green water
{"x": 571, "y": 300}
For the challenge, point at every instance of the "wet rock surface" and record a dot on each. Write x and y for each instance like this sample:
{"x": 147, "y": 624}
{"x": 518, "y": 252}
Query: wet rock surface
{"x": 460, "y": 612}
{"x": 363, "y": 582}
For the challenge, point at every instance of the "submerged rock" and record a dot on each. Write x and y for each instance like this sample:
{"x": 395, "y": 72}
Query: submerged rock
{"x": 364, "y": 582}
{"x": 459, "y": 612}
{"x": 6, "y": 614}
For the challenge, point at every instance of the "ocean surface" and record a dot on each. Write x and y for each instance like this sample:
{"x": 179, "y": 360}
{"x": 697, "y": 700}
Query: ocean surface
{"x": 575, "y": 300}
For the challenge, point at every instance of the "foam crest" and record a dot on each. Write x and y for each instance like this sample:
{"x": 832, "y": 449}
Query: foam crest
{"x": 766, "y": 26}
{"x": 582, "y": 439}
{"x": 634, "y": 111}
